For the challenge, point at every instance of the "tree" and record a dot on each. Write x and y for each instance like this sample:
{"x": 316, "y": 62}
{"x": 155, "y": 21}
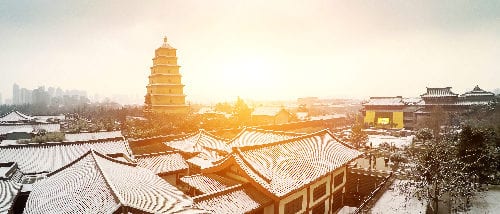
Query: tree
{"x": 424, "y": 134}
{"x": 224, "y": 107}
{"x": 437, "y": 170}
{"x": 242, "y": 112}
{"x": 437, "y": 118}
{"x": 358, "y": 136}
{"x": 475, "y": 154}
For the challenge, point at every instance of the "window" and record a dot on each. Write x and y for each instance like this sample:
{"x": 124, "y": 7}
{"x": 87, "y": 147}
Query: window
{"x": 294, "y": 206}
{"x": 319, "y": 192}
{"x": 320, "y": 209}
{"x": 338, "y": 180}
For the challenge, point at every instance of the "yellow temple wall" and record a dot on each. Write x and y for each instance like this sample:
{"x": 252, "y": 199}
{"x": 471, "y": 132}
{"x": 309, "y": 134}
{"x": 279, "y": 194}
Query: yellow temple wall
{"x": 397, "y": 118}
{"x": 369, "y": 117}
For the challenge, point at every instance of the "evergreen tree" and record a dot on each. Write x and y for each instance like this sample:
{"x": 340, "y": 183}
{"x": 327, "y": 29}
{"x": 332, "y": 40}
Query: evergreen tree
{"x": 358, "y": 136}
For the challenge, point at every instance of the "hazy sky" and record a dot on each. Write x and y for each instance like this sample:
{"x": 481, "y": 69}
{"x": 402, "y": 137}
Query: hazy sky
{"x": 255, "y": 49}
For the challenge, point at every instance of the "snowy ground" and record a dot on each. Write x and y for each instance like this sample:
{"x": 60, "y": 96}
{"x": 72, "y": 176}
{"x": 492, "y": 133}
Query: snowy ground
{"x": 399, "y": 142}
{"x": 487, "y": 202}
{"x": 392, "y": 201}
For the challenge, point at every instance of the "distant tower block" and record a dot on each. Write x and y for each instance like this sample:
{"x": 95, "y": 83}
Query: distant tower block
{"x": 165, "y": 91}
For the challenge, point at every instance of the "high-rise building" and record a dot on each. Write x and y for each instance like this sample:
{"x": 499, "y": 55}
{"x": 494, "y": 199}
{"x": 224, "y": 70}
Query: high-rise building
{"x": 25, "y": 96}
{"x": 16, "y": 95}
{"x": 165, "y": 91}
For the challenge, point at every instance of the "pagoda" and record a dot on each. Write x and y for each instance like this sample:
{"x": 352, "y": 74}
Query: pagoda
{"x": 165, "y": 92}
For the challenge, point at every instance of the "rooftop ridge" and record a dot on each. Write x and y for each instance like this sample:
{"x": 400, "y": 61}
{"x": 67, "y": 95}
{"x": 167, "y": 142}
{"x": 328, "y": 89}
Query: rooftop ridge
{"x": 217, "y": 193}
{"x": 158, "y": 136}
{"x": 113, "y": 191}
{"x": 107, "y": 180}
{"x": 214, "y": 136}
{"x": 49, "y": 144}
{"x": 258, "y": 129}
{"x": 238, "y": 135}
{"x": 155, "y": 154}
{"x": 183, "y": 137}
{"x": 253, "y": 147}
{"x": 250, "y": 167}
{"x": 112, "y": 159}
{"x": 69, "y": 164}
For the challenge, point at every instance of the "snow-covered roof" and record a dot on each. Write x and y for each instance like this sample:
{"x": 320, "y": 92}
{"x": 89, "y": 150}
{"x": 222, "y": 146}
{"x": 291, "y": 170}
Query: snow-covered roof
{"x": 385, "y": 101}
{"x": 208, "y": 183}
{"x": 439, "y": 92}
{"x": 95, "y": 183}
{"x": 266, "y": 111}
{"x": 88, "y": 136}
{"x": 234, "y": 200}
{"x": 198, "y": 141}
{"x": 45, "y": 118}
{"x": 5, "y": 128}
{"x": 205, "y": 159}
{"x": 15, "y": 116}
{"x": 254, "y": 136}
{"x": 327, "y": 117}
{"x": 477, "y": 92}
{"x": 274, "y": 166}
{"x": 162, "y": 162}
{"x": 8, "y": 192}
{"x": 49, "y": 157}
{"x": 413, "y": 101}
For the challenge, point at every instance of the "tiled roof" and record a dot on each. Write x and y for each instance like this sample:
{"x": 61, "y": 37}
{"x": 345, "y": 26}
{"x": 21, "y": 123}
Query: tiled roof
{"x": 162, "y": 162}
{"x": 198, "y": 141}
{"x": 285, "y": 166}
{"x": 4, "y": 128}
{"x": 439, "y": 92}
{"x": 8, "y": 192}
{"x": 15, "y": 116}
{"x": 208, "y": 183}
{"x": 254, "y": 136}
{"x": 477, "y": 92}
{"x": 205, "y": 159}
{"x": 385, "y": 101}
{"x": 95, "y": 183}
{"x": 92, "y": 136}
{"x": 49, "y": 157}
{"x": 266, "y": 111}
{"x": 235, "y": 200}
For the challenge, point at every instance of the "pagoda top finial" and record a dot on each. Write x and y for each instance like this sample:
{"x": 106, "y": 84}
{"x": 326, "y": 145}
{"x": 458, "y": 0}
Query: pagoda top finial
{"x": 165, "y": 44}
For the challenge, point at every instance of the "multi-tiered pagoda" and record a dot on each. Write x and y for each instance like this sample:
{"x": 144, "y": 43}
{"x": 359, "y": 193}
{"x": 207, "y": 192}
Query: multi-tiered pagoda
{"x": 165, "y": 91}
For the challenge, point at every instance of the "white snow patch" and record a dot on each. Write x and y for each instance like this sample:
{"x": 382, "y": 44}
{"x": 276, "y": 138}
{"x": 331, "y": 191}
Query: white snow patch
{"x": 393, "y": 201}
{"x": 399, "y": 142}
{"x": 486, "y": 202}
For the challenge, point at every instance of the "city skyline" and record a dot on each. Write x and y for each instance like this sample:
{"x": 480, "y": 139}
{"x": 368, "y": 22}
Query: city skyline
{"x": 257, "y": 50}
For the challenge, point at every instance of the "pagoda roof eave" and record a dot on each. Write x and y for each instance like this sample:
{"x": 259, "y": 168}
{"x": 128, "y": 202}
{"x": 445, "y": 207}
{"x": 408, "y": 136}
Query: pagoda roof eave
{"x": 173, "y": 95}
{"x": 165, "y": 75}
{"x": 170, "y": 65}
{"x": 165, "y": 84}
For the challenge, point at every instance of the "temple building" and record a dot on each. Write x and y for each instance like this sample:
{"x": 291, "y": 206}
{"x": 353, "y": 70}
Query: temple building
{"x": 399, "y": 112}
{"x": 165, "y": 92}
